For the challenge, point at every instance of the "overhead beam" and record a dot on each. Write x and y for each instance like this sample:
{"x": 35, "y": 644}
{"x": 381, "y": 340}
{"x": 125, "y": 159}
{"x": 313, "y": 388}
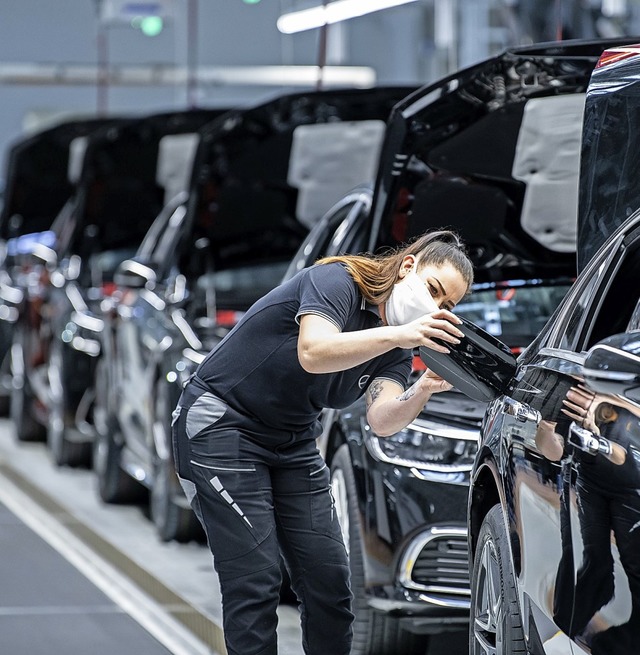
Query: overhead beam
{"x": 170, "y": 75}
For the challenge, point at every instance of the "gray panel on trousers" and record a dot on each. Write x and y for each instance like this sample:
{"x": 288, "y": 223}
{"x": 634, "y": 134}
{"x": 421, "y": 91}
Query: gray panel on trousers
{"x": 205, "y": 411}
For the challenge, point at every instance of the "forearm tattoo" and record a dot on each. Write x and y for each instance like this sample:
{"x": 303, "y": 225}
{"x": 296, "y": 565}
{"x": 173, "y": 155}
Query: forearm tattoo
{"x": 405, "y": 395}
{"x": 373, "y": 392}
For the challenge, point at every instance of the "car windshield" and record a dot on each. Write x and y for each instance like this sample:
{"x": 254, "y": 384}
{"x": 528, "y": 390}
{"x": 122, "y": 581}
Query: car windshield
{"x": 515, "y": 311}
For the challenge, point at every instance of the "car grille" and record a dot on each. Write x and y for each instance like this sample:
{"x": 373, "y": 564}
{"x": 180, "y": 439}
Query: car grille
{"x": 436, "y": 563}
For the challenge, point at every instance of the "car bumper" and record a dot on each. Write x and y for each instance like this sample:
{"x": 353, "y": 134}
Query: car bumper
{"x": 415, "y": 544}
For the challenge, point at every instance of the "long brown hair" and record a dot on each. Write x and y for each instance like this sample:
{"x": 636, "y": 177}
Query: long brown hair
{"x": 375, "y": 275}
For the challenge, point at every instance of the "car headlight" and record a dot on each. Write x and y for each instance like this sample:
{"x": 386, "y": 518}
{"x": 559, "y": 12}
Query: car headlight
{"x": 424, "y": 444}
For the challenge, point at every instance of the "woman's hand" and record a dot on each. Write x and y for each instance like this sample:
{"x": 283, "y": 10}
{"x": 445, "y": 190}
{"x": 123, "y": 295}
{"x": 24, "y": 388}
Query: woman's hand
{"x": 440, "y": 324}
{"x": 431, "y": 383}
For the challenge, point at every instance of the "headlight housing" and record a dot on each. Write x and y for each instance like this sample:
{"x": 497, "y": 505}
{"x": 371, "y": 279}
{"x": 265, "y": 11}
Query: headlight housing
{"x": 426, "y": 445}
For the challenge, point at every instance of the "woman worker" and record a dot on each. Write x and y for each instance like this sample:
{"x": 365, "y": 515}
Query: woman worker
{"x": 246, "y": 425}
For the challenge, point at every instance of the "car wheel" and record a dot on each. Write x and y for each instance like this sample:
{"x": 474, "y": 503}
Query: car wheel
{"x": 27, "y": 428}
{"x": 63, "y": 451}
{"x": 172, "y": 521}
{"x": 114, "y": 485}
{"x": 495, "y": 627}
{"x": 374, "y": 633}
{"x": 5, "y": 384}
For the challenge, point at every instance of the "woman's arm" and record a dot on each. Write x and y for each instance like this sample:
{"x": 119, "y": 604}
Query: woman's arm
{"x": 390, "y": 409}
{"x": 322, "y": 348}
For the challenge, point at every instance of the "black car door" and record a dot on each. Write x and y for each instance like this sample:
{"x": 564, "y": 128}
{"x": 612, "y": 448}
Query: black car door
{"x": 528, "y": 431}
{"x": 604, "y": 480}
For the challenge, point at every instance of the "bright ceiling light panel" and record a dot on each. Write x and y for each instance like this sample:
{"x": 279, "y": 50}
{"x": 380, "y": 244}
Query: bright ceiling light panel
{"x": 333, "y": 12}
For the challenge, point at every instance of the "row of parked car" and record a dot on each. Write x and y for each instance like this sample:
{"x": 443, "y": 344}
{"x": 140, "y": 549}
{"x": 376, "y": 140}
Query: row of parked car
{"x": 131, "y": 246}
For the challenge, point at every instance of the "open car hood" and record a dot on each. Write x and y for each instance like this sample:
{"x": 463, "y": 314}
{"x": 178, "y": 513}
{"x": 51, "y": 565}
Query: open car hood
{"x": 609, "y": 191}
{"x": 493, "y": 152}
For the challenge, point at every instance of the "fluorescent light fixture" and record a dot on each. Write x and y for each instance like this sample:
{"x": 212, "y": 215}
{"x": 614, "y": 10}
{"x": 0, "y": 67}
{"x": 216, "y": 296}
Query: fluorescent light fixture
{"x": 333, "y": 12}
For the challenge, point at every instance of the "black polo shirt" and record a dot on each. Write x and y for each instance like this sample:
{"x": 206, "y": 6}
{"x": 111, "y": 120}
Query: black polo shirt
{"x": 255, "y": 368}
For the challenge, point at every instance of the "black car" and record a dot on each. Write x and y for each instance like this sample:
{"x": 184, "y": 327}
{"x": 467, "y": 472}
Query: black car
{"x": 494, "y": 153}
{"x": 553, "y": 503}
{"x": 122, "y": 179}
{"x": 262, "y": 176}
{"x": 37, "y": 185}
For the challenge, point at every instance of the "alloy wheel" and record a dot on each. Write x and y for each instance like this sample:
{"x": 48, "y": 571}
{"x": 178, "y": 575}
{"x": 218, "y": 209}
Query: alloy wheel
{"x": 489, "y": 609}
{"x": 56, "y": 427}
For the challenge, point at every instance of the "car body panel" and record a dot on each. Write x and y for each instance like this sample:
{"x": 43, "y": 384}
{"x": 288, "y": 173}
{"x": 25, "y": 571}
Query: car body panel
{"x": 541, "y": 482}
{"x": 568, "y": 488}
{"x": 37, "y": 176}
{"x": 610, "y": 164}
{"x": 517, "y": 208}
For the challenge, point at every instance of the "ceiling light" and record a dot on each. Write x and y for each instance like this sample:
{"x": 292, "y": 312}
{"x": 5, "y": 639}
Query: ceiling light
{"x": 334, "y": 12}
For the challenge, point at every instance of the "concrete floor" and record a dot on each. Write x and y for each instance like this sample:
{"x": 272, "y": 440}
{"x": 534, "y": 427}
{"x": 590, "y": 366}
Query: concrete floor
{"x": 78, "y": 572}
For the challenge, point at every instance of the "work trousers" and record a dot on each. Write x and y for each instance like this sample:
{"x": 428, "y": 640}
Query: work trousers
{"x": 260, "y": 493}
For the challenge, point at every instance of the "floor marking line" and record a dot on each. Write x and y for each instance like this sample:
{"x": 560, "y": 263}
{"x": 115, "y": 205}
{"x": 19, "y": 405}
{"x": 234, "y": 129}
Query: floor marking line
{"x": 153, "y": 618}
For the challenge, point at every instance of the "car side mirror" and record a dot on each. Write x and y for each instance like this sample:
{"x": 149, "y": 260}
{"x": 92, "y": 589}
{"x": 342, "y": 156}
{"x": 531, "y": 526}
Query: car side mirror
{"x": 134, "y": 275}
{"x": 480, "y": 366}
{"x": 612, "y": 366}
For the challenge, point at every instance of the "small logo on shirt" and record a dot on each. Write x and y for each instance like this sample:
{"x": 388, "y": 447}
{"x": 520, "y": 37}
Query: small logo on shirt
{"x": 362, "y": 382}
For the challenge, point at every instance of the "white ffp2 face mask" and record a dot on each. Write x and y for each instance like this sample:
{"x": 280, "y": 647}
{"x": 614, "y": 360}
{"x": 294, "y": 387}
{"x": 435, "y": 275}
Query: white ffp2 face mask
{"x": 409, "y": 300}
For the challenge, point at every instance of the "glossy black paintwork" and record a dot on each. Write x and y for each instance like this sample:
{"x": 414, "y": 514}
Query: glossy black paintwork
{"x": 37, "y": 186}
{"x": 557, "y": 487}
{"x": 610, "y": 160}
{"x": 491, "y": 360}
{"x": 568, "y": 481}
{"x": 36, "y": 177}
{"x": 397, "y": 504}
{"x": 613, "y": 366}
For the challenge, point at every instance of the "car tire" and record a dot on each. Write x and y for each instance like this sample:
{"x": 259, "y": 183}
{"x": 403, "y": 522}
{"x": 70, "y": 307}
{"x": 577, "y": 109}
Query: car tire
{"x": 374, "y": 633}
{"x": 114, "y": 485}
{"x": 27, "y": 428}
{"x": 495, "y": 625}
{"x": 63, "y": 451}
{"x": 5, "y": 384}
{"x": 172, "y": 521}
